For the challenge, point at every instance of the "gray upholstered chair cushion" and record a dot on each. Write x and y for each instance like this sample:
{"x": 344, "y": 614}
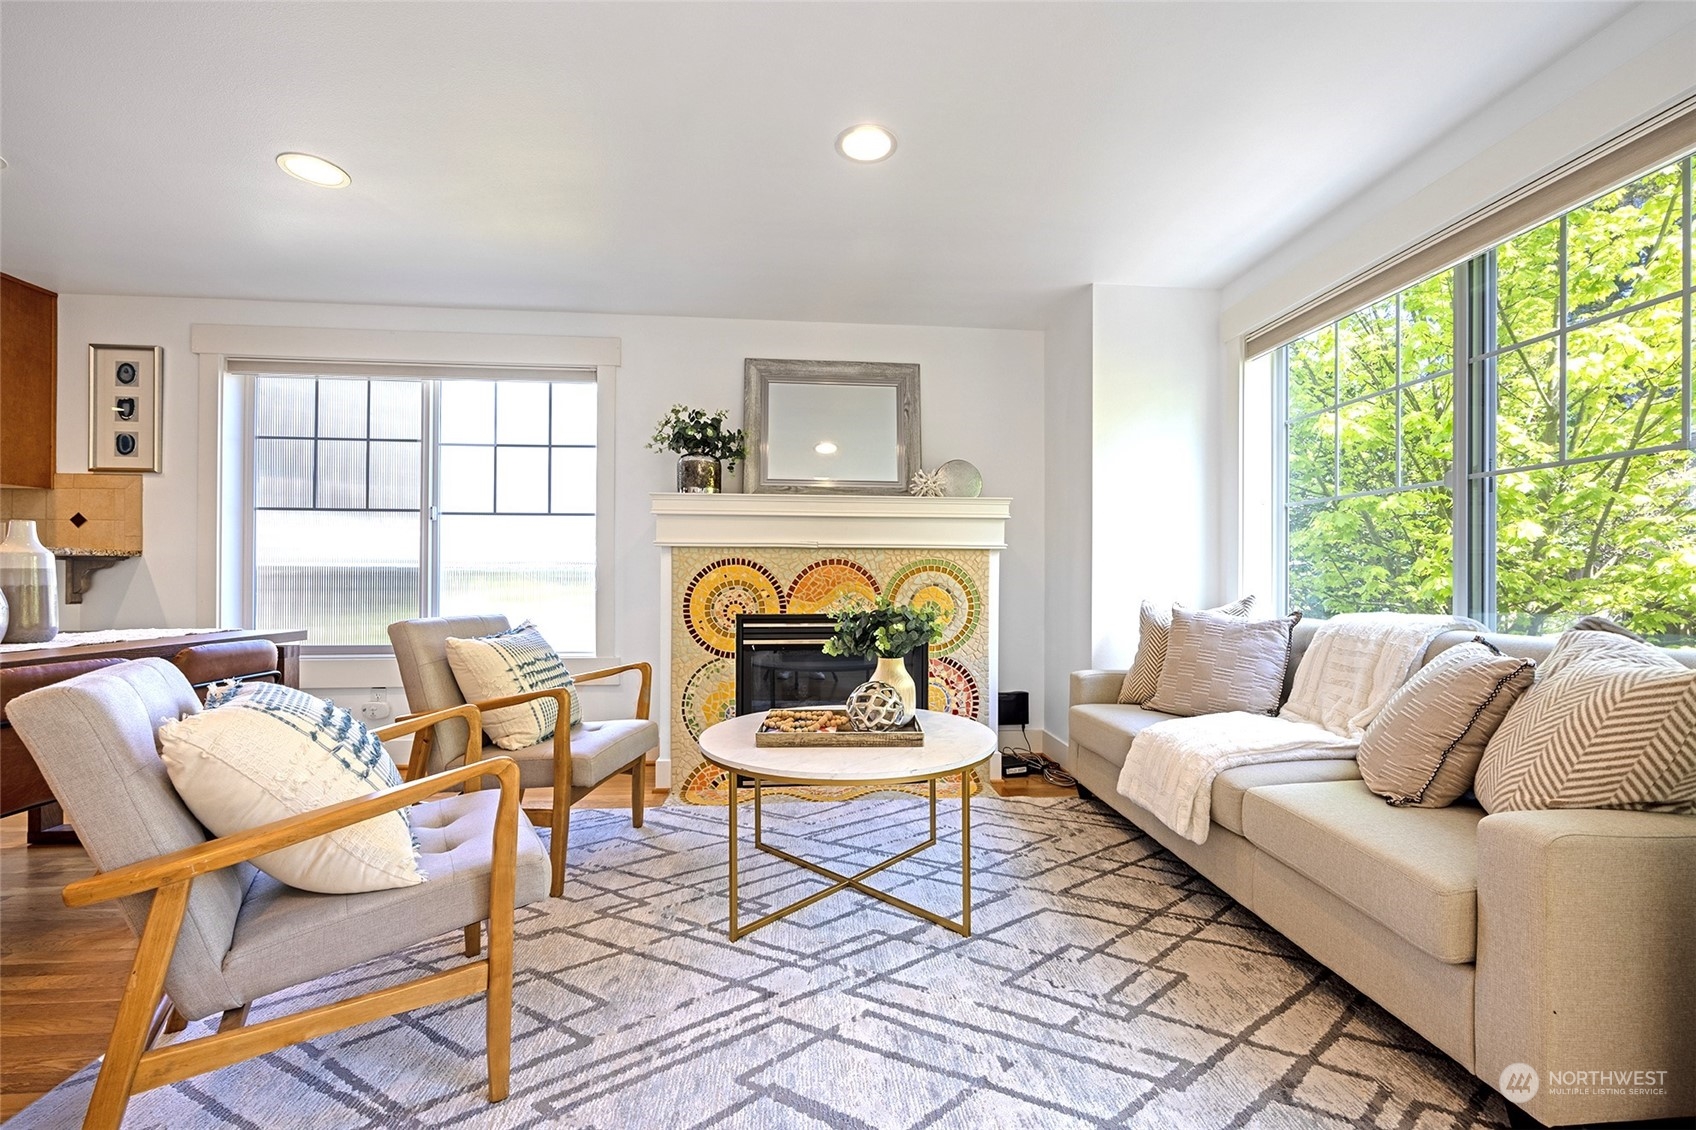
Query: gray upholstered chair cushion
{"x": 93, "y": 738}
{"x": 598, "y": 750}
{"x": 285, "y": 936}
{"x": 421, "y": 650}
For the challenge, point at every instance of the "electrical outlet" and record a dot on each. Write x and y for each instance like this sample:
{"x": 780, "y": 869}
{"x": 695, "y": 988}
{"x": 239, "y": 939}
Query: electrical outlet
{"x": 374, "y": 711}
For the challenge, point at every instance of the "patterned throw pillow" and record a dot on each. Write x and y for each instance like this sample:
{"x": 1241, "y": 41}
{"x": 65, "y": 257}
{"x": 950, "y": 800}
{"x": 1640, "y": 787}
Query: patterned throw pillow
{"x": 512, "y": 662}
{"x": 261, "y": 752}
{"x": 1215, "y": 663}
{"x": 1156, "y": 628}
{"x": 1610, "y": 724}
{"x": 1424, "y": 747}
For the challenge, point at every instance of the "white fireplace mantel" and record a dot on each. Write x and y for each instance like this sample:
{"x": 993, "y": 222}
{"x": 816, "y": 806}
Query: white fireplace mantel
{"x": 894, "y": 521}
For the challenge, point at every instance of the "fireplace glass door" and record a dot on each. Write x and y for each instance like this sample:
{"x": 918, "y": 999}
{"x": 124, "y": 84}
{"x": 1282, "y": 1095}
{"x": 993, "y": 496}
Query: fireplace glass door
{"x": 780, "y": 662}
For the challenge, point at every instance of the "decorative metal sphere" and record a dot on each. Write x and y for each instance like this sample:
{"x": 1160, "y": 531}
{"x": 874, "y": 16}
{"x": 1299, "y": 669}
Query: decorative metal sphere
{"x": 876, "y": 706}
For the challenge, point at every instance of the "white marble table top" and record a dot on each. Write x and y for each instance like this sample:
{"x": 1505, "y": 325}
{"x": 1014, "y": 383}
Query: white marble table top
{"x": 951, "y": 744}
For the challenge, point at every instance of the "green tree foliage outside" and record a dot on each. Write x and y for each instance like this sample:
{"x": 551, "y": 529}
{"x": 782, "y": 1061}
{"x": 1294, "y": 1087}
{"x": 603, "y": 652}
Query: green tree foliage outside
{"x": 1587, "y": 371}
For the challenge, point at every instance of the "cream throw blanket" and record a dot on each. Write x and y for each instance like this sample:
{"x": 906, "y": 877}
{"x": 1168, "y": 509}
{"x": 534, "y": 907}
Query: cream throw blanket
{"x": 1354, "y": 664}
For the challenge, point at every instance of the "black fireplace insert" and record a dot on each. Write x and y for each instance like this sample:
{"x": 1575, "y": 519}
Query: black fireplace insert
{"x": 780, "y": 662}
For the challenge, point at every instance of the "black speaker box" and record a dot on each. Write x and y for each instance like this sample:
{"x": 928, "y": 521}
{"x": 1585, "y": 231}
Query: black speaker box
{"x": 1013, "y": 708}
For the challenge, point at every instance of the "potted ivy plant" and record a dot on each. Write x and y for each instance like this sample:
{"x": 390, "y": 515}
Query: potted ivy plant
{"x": 701, "y": 442}
{"x": 887, "y": 632}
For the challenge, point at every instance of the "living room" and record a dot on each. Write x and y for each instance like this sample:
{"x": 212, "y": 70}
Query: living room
{"x": 1095, "y": 243}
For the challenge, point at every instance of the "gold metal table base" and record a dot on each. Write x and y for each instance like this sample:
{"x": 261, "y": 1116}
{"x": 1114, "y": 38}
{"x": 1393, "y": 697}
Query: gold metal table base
{"x": 855, "y": 882}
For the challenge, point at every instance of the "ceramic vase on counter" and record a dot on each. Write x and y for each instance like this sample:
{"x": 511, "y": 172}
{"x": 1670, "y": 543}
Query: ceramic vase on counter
{"x": 29, "y": 578}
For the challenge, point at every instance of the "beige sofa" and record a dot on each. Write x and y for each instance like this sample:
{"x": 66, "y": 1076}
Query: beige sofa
{"x": 1565, "y": 940}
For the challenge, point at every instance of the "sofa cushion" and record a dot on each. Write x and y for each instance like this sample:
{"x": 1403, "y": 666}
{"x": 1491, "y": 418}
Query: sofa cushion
{"x": 1415, "y": 870}
{"x": 1106, "y": 728}
{"x": 1232, "y": 785}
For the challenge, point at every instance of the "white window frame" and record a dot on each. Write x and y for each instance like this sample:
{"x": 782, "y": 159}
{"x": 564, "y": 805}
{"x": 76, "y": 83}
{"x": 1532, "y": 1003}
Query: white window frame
{"x": 1472, "y": 471}
{"x": 225, "y": 511}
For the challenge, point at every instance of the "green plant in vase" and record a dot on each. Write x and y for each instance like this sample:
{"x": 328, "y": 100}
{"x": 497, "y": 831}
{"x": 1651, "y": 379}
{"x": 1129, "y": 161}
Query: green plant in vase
{"x": 701, "y": 442}
{"x": 887, "y": 633}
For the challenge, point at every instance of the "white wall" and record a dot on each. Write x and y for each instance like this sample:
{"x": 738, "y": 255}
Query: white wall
{"x": 1632, "y": 68}
{"x": 982, "y": 395}
{"x": 1068, "y": 366}
{"x": 1158, "y": 432}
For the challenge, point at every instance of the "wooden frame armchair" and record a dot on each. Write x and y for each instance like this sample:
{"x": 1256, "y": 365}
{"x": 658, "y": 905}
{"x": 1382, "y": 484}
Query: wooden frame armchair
{"x": 215, "y": 936}
{"x": 572, "y": 763}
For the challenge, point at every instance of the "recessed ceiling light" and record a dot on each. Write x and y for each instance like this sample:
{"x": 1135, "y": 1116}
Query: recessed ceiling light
{"x": 825, "y": 448}
{"x": 2, "y": 162}
{"x": 313, "y": 170}
{"x": 865, "y": 143}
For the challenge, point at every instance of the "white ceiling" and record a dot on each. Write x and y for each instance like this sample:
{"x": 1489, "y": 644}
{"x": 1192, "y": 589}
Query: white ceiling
{"x": 677, "y": 158}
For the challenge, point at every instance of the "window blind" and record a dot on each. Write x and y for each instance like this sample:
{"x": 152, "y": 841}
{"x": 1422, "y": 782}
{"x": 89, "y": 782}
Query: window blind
{"x": 1654, "y": 143}
{"x": 376, "y": 370}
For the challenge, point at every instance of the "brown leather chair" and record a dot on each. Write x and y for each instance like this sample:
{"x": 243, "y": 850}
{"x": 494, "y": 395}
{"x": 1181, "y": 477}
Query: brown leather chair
{"x": 241, "y": 660}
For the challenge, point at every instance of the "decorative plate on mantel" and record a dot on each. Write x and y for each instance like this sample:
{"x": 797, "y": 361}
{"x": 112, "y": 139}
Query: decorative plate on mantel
{"x": 960, "y": 479}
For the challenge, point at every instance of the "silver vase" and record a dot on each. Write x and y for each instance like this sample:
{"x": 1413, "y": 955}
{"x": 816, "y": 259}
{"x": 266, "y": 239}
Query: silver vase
{"x": 698, "y": 474}
{"x": 29, "y": 578}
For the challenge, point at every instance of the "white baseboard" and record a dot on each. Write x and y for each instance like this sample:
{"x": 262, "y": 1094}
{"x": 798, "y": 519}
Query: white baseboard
{"x": 662, "y": 773}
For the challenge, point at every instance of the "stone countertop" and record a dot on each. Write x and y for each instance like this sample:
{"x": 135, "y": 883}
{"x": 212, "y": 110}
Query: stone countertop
{"x": 71, "y": 551}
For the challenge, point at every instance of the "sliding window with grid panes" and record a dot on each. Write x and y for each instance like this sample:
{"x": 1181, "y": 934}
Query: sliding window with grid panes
{"x": 380, "y": 500}
{"x": 1550, "y": 474}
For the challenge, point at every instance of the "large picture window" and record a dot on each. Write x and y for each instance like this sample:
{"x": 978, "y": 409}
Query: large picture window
{"x": 376, "y": 500}
{"x": 1550, "y": 474}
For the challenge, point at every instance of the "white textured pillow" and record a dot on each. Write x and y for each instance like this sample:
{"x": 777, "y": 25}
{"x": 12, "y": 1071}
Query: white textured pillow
{"x": 263, "y": 752}
{"x": 515, "y": 661}
{"x": 1153, "y": 632}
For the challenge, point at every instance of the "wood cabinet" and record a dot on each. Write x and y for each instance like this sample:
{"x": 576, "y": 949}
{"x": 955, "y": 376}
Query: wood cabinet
{"x": 29, "y": 363}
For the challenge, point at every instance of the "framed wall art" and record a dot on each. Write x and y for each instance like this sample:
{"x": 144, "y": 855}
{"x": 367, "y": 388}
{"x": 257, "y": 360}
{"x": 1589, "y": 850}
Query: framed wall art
{"x": 125, "y": 407}
{"x": 831, "y": 427}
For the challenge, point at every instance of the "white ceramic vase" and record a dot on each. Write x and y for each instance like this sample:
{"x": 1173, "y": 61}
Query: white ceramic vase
{"x": 29, "y": 578}
{"x": 894, "y": 672}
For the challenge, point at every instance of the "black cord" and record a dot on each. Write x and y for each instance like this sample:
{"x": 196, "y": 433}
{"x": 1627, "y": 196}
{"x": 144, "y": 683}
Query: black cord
{"x": 1051, "y": 771}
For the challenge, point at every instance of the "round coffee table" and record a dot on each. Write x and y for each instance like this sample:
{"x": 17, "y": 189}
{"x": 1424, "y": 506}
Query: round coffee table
{"x": 952, "y": 745}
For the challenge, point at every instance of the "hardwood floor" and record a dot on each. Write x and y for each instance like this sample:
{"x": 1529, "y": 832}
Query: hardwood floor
{"x": 62, "y": 970}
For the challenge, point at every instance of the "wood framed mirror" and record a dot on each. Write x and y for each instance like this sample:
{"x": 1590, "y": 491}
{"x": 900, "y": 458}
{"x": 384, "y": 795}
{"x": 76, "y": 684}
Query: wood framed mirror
{"x": 831, "y": 427}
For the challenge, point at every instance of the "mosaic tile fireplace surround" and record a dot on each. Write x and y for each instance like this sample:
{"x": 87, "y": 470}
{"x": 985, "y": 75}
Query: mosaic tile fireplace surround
{"x": 723, "y": 555}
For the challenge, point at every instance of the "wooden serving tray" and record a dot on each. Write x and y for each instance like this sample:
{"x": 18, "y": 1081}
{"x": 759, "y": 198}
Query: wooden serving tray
{"x": 908, "y": 735}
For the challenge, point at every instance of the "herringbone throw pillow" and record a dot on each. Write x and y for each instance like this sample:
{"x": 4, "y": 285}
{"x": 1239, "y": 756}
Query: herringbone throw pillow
{"x": 1153, "y": 633}
{"x": 1424, "y": 748}
{"x": 1219, "y": 663}
{"x": 1610, "y": 724}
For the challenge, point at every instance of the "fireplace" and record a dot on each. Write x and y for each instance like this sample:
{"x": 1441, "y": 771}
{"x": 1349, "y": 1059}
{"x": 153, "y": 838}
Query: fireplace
{"x": 780, "y": 662}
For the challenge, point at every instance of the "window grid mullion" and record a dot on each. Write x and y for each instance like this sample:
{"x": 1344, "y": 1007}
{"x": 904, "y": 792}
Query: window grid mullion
{"x": 1560, "y": 339}
{"x": 1337, "y": 408}
{"x": 1398, "y": 391}
{"x": 1689, "y": 176}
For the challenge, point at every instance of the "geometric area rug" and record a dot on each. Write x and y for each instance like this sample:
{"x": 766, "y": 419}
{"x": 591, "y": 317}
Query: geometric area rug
{"x": 1105, "y": 984}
